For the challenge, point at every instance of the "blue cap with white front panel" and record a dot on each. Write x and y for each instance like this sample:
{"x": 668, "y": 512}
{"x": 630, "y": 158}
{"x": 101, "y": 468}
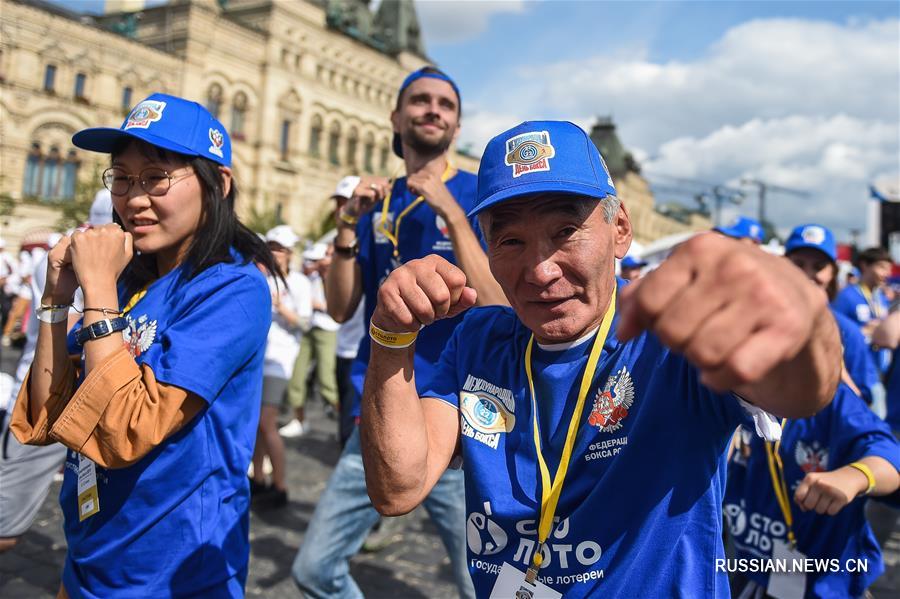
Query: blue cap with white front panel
{"x": 812, "y": 236}
{"x": 168, "y": 122}
{"x": 541, "y": 157}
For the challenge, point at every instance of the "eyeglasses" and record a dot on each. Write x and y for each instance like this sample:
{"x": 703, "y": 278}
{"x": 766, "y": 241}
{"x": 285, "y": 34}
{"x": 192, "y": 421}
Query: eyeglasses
{"x": 154, "y": 181}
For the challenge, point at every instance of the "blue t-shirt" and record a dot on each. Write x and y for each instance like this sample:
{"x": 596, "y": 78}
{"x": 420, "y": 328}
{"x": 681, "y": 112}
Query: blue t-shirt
{"x": 176, "y": 522}
{"x": 892, "y": 388}
{"x": 851, "y": 302}
{"x": 844, "y": 432}
{"x": 422, "y": 232}
{"x": 857, "y": 357}
{"x": 640, "y": 511}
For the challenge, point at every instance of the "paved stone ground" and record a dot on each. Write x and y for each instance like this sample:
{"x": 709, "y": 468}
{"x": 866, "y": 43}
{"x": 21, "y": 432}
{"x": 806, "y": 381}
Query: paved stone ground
{"x": 414, "y": 566}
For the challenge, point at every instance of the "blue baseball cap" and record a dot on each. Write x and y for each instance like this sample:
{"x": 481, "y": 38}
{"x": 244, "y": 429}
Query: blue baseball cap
{"x": 743, "y": 227}
{"x": 632, "y": 262}
{"x": 541, "y": 157}
{"x": 168, "y": 122}
{"x": 432, "y": 73}
{"x": 816, "y": 237}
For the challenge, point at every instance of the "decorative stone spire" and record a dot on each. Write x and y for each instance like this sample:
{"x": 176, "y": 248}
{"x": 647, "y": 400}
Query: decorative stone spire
{"x": 618, "y": 160}
{"x": 397, "y": 26}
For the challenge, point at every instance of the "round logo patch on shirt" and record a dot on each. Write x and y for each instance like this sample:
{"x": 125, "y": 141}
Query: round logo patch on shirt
{"x": 486, "y": 413}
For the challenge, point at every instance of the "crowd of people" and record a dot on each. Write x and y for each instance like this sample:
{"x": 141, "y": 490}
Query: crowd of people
{"x": 576, "y": 422}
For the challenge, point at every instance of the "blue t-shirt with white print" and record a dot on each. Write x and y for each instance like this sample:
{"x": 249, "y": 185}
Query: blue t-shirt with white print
{"x": 852, "y": 303}
{"x": 640, "y": 511}
{"x": 422, "y": 232}
{"x": 857, "y": 357}
{"x": 176, "y": 522}
{"x": 844, "y": 432}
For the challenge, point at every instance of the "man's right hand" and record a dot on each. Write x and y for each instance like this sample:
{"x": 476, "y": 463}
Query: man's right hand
{"x": 421, "y": 292}
{"x": 61, "y": 281}
{"x": 368, "y": 192}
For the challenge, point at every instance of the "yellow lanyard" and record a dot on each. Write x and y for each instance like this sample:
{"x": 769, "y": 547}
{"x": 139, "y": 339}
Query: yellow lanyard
{"x": 779, "y": 484}
{"x": 138, "y": 296}
{"x": 873, "y": 305}
{"x": 394, "y": 236}
{"x": 550, "y": 492}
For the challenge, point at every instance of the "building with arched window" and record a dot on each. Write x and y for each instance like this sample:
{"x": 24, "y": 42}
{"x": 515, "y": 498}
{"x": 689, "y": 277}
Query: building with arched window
{"x": 285, "y": 76}
{"x": 299, "y": 83}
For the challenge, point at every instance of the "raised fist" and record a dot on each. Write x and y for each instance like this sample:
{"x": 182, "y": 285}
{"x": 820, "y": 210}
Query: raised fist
{"x": 421, "y": 292}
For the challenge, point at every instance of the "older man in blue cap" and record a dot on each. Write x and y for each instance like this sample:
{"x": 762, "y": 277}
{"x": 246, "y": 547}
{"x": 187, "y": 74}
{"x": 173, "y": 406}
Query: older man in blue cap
{"x": 560, "y": 423}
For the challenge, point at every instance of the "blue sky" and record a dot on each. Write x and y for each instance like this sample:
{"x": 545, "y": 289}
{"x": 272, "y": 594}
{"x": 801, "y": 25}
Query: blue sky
{"x": 800, "y": 94}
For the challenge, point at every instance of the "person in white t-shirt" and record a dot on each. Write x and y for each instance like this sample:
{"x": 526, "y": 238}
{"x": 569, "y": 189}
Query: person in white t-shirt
{"x": 350, "y": 333}
{"x": 7, "y": 268}
{"x": 320, "y": 346}
{"x": 291, "y": 313}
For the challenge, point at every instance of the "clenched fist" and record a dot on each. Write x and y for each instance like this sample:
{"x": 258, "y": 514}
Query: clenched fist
{"x": 736, "y": 312}
{"x": 100, "y": 254}
{"x": 829, "y": 492}
{"x": 421, "y": 292}
{"x": 368, "y": 192}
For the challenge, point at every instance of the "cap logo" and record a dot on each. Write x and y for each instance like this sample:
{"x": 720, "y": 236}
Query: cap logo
{"x": 813, "y": 235}
{"x": 217, "y": 140}
{"x": 529, "y": 152}
{"x": 145, "y": 113}
{"x": 606, "y": 170}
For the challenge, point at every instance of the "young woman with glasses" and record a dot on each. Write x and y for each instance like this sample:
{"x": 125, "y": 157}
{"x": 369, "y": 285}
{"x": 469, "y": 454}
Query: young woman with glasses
{"x": 160, "y": 417}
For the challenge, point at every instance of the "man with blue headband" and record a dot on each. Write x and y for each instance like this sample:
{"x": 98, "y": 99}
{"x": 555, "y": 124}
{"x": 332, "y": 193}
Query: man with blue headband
{"x": 592, "y": 417}
{"x": 384, "y": 225}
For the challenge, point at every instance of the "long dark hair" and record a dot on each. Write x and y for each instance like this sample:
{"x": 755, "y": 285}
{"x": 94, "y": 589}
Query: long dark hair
{"x": 220, "y": 229}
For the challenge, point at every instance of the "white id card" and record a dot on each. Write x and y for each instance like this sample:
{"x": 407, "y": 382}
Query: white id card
{"x": 511, "y": 585}
{"x": 786, "y": 585}
{"x": 88, "y": 498}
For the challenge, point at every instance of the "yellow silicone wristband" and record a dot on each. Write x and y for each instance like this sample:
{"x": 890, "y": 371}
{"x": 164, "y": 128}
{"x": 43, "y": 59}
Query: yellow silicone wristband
{"x": 868, "y": 473}
{"x": 391, "y": 340}
{"x": 350, "y": 220}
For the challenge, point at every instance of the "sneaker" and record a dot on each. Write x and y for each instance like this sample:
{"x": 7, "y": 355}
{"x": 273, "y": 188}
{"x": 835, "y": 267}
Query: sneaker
{"x": 383, "y": 535}
{"x": 292, "y": 429}
{"x": 257, "y": 488}
{"x": 270, "y": 499}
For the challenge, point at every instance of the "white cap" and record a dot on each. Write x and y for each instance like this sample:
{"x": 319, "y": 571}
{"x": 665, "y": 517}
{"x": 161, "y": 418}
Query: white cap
{"x": 283, "y": 235}
{"x": 101, "y": 210}
{"x": 318, "y": 251}
{"x": 345, "y": 187}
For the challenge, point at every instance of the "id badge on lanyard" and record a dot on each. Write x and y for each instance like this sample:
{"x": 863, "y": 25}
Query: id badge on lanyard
{"x": 88, "y": 497}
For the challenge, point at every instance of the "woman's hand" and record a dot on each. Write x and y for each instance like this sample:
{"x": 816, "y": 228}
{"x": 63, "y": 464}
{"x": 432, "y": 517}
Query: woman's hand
{"x": 61, "y": 281}
{"x": 99, "y": 255}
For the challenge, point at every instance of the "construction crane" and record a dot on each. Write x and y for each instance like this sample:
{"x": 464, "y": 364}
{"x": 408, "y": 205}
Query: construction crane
{"x": 763, "y": 188}
{"x": 701, "y": 192}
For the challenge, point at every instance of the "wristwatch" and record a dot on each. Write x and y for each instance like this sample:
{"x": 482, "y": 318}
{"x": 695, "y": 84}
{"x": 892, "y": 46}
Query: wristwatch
{"x": 52, "y": 314}
{"x": 101, "y": 328}
{"x": 347, "y": 251}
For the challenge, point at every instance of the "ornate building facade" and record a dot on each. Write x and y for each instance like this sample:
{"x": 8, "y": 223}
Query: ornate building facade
{"x": 304, "y": 86}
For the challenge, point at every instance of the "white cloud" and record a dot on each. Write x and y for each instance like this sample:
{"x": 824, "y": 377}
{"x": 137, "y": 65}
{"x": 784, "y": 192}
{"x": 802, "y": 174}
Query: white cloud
{"x": 832, "y": 158}
{"x": 452, "y": 21}
{"x": 806, "y": 104}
